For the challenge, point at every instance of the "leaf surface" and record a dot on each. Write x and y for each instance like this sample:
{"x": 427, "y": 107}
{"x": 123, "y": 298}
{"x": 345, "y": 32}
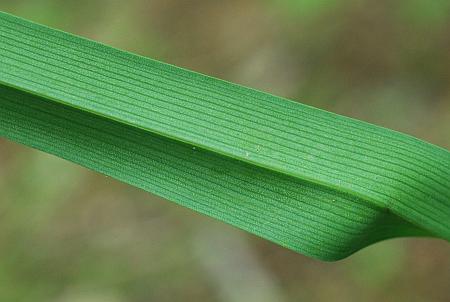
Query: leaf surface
{"x": 321, "y": 184}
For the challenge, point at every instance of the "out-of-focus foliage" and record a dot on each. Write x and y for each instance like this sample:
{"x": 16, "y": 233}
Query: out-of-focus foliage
{"x": 79, "y": 236}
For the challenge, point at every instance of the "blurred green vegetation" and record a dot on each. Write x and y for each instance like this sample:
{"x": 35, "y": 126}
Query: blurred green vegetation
{"x": 67, "y": 234}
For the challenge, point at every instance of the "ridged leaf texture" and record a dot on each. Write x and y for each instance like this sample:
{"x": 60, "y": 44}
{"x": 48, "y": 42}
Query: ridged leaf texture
{"x": 315, "y": 182}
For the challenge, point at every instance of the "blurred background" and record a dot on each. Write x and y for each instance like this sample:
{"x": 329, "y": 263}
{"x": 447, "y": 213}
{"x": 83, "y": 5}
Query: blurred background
{"x": 70, "y": 235}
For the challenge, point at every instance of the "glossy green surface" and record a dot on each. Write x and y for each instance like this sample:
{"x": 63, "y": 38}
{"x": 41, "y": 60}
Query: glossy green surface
{"x": 321, "y": 184}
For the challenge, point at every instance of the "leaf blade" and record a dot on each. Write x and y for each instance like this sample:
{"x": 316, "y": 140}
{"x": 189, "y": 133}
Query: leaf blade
{"x": 380, "y": 168}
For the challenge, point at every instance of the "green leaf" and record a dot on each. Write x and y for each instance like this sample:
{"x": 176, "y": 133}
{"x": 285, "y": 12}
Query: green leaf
{"x": 313, "y": 181}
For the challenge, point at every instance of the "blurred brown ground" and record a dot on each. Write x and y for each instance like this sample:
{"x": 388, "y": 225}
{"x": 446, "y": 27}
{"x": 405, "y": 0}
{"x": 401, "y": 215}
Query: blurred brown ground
{"x": 68, "y": 234}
